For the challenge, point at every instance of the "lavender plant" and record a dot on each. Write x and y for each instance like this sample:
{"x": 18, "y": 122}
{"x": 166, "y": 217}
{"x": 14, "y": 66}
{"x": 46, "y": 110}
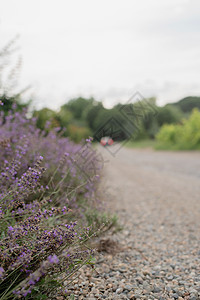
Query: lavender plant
{"x": 46, "y": 185}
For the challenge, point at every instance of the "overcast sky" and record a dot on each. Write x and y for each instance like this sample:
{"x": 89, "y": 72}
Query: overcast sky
{"x": 108, "y": 49}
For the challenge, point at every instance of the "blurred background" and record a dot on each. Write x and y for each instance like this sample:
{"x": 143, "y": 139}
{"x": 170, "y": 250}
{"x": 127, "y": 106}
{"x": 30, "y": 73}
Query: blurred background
{"x": 74, "y": 64}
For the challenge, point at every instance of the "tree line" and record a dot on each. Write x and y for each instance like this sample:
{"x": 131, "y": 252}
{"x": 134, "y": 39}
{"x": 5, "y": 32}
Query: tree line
{"x": 83, "y": 117}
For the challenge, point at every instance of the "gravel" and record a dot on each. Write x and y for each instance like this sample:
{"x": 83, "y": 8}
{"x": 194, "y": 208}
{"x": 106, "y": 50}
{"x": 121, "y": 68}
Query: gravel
{"x": 156, "y": 196}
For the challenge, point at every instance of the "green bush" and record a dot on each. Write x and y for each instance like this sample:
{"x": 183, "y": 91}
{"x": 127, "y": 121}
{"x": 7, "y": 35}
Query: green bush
{"x": 181, "y": 136}
{"x": 168, "y": 115}
{"x": 77, "y": 134}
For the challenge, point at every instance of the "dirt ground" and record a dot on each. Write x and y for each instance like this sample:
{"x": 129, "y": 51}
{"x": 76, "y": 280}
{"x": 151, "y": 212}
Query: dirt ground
{"x": 170, "y": 179}
{"x": 156, "y": 195}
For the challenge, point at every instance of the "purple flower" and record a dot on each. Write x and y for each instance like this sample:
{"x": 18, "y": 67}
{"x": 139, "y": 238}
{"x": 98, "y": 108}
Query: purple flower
{"x": 1, "y": 271}
{"x": 31, "y": 282}
{"x": 10, "y": 228}
{"x": 24, "y": 182}
{"x": 53, "y": 259}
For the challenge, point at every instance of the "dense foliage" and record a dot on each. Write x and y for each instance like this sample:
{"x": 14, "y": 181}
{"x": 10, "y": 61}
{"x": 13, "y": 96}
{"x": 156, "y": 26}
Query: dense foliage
{"x": 181, "y": 136}
{"x": 47, "y": 184}
{"x": 188, "y": 104}
{"x": 81, "y": 117}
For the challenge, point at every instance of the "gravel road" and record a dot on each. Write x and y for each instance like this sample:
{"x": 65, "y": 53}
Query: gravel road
{"x": 157, "y": 198}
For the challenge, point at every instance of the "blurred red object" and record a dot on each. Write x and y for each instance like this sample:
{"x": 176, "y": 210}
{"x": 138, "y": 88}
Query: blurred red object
{"x": 106, "y": 141}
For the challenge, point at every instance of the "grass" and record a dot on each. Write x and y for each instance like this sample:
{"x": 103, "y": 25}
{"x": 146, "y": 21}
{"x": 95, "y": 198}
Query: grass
{"x": 176, "y": 147}
{"x": 141, "y": 144}
{"x": 156, "y": 145}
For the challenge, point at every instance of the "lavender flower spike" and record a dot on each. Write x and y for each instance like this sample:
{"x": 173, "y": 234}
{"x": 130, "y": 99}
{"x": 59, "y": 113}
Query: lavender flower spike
{"x": 53, "y": 259}
{"x": 1, "y": 271}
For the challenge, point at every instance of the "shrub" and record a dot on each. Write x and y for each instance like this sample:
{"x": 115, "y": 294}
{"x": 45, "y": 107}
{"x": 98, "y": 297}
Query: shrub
{"x": 181, "y": 136}
{"x": 169, "y": 115}
{"x": 77, "y": 134}
{"x": 167, "y": 134}
{"x": 47, "y": 183}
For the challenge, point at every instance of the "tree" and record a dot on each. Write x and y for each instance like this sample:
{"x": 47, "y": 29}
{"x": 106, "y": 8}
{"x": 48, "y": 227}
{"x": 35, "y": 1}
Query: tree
{"x": 64, "y": 116}
{"x": 44, "y": 115}
{"x": 77, "y": 106}
{"x": 169, "y": 114}
{"x": 92, "y": 114}
{"x": 188, "y": 104}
